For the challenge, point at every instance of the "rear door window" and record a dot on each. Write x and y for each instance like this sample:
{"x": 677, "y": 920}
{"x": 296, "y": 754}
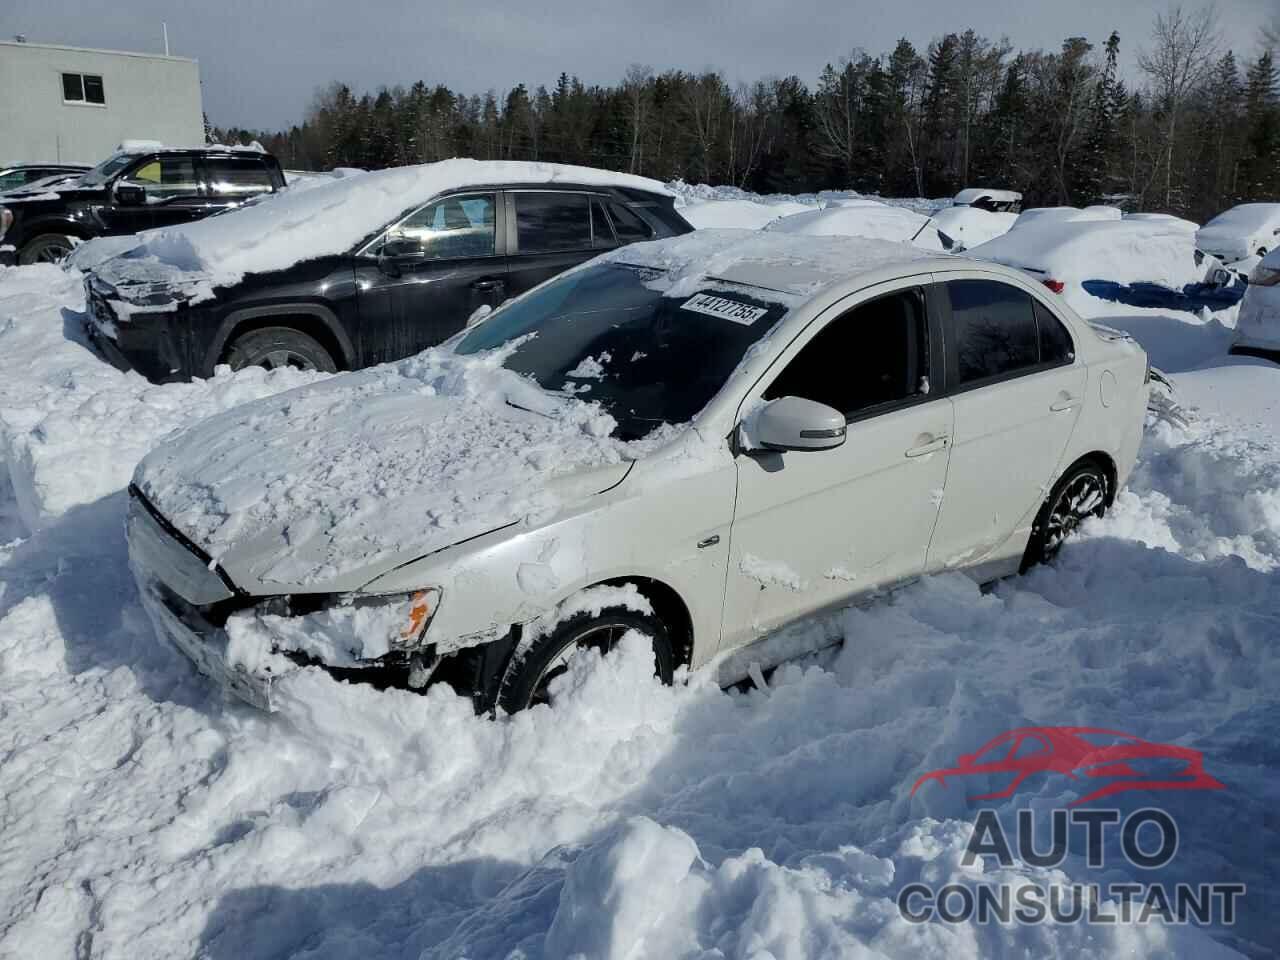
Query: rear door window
{"x": 601, "y": 230}
{"x": 552, "y": 222}
{"x": 993, "y": 330}
{"x": 1056, "y": 346}
{"x": 238, "y": 176}
{"x": 628, "y": 225}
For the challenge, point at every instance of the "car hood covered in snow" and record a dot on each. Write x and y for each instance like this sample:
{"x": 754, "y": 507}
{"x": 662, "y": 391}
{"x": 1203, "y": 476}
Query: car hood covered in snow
{"x": 328, "y": 486}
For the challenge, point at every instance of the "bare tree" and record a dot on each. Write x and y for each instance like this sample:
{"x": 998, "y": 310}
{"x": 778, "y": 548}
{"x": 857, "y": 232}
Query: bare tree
{"x": 1183, "y": 49}
{"x": 635, "y": 85}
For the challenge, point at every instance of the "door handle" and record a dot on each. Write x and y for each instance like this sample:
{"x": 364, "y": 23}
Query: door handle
{"x": 927, "y": 445}
{"x": 488, "y": 286}
{"x": 1065, "y": 401}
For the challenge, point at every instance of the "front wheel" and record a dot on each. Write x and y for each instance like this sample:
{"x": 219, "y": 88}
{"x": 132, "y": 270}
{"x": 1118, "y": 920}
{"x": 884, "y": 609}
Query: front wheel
{"x": 1083, "y": 492}
{"x": 47, "y": 248}
{"x": 528, "y": 682}
{"x": 274, "y": 347}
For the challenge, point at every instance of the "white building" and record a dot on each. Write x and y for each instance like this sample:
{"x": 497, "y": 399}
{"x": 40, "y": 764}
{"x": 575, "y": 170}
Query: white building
{"x": 74, "y": 106}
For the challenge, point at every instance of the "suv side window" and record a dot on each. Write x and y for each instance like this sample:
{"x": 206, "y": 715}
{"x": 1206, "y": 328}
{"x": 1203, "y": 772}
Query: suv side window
{"x": 993, "y": 329}
{"x": 164, "y": 178}
{"x": 601, "y": 230}
{"x": 871, "y": 357}
{"x": 449, "y": 229}
{"x": 552, "y": 222}
{"x": 238, "y": 176}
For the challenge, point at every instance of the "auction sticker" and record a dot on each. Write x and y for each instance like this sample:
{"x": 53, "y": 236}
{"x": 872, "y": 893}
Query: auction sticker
{"x": 714, "y": 306}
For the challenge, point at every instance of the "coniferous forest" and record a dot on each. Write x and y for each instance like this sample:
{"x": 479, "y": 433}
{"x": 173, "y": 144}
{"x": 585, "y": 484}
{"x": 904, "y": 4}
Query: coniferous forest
{"x": 1196, "y": 130}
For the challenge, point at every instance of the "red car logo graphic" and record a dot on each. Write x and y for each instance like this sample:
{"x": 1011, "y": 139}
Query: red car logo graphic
{"x": 1124, "y": 761}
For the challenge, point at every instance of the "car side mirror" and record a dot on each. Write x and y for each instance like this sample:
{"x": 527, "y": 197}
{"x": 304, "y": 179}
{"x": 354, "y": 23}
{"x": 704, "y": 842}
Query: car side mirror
{"x": 130, "y": 195}
{"x": 794, "y": 423}
{"x": 1220, "y": 277}
{"x": 397, "y": 252}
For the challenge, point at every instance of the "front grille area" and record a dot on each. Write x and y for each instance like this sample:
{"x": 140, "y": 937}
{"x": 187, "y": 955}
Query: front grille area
{"x": 163, "y": 556}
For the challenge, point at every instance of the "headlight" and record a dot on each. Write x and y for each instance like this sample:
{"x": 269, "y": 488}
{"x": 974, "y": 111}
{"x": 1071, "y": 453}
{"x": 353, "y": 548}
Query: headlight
{"x": 350, "y": 628}
{"x": 1265, "y": 276}
{"x": 6, "y": 221}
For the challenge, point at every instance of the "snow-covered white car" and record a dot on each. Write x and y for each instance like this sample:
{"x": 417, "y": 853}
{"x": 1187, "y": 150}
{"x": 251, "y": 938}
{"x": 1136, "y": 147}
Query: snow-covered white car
{"x": 863, "y": 218}
{"x": 962, "y": 227}
{"x": 1258, "y": 323}
{"x": 737, "y": 213}
{"x": 697, "y": 439}
{"x": 1040, "y": 215}
{"x": 1250, "y": 229}
{"x": 1138, "y": 262}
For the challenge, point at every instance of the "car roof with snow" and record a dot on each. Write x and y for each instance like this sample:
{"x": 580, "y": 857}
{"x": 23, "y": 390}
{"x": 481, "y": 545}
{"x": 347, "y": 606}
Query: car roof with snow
{"x": 795, "y": 265}
{"x": 334, "y": 217}
{"x": 1245, "y": 216}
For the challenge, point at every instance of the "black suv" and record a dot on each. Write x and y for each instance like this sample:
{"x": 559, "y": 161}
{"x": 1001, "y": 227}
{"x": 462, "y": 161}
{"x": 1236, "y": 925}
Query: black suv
{"x": 410, "y": 285}
{"x": 132, "y": 191}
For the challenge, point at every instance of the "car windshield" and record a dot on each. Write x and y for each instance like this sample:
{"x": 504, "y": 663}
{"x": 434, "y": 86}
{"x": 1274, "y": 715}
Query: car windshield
{"x": 611, "y": 333}
{"x": 107, "y": 169}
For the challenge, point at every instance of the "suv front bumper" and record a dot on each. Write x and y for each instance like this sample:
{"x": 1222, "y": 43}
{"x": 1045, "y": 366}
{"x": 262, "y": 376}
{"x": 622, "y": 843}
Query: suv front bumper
{"x": 147, "y": 342}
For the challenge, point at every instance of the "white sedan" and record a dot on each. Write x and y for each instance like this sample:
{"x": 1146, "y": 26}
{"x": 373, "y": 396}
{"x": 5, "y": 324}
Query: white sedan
{"x": 698, "y": 440}
{"x": 1247, "y": 230}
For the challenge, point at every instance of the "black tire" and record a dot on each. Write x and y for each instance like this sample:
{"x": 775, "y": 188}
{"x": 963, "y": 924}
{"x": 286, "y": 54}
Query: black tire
{"x": 526, "y": 682}
{"x": 47, "y": 248}
{"x": 1083, "y": 491}
{"x": 273, "y": 347}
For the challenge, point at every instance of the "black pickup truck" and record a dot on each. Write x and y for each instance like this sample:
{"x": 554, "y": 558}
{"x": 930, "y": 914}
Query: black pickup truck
{"x": 130, "y": 191}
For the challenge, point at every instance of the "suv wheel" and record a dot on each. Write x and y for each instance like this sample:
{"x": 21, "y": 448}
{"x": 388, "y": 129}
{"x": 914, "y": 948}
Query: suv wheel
{"x": 274, "y": 347}
{"x": 1081, "y": 493}
{"x": 47, "y": 248}
{"x": 527, "y": 683}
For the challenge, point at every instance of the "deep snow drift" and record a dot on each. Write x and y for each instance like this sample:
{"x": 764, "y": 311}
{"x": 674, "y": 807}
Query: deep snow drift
{"x": 145, "y": 817}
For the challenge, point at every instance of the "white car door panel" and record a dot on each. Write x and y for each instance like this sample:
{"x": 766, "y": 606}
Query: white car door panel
{"x": 1011, "y": 428}
{"x": 812, "y": 529}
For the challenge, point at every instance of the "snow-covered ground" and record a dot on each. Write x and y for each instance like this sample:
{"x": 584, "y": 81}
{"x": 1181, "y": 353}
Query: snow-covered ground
{"x": 143, "y": 816}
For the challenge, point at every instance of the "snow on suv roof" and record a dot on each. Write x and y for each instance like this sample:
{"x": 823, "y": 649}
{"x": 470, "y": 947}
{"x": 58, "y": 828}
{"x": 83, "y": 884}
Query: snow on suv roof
{"x": 332, "y": 218}
{"x": 794, "y": 264}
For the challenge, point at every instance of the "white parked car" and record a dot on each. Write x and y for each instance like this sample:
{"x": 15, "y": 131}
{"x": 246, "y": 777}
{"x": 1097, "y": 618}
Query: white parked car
{"x": 737, "y": 214}
{"x": 960, "y": 228}
{"x": 1250, "y": 229}
{"x": 1258, "y": 323}
{"x": 1039, "y": 215}
{"x": 698, "y": 439}
{"x": 863, "y": 218}
{"x": 1138, "y": 262}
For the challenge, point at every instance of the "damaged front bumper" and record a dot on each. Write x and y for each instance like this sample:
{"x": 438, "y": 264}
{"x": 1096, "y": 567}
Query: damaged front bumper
{"x": 204, "y": 644}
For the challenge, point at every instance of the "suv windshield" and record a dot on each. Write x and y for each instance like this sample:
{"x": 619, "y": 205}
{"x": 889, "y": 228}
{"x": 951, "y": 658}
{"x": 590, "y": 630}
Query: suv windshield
{"x": 107, "y": 169}
{"x": 610, "y": 333}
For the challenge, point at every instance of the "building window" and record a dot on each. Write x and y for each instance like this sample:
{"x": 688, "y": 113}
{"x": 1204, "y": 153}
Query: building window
{"x": 83, "y": 88}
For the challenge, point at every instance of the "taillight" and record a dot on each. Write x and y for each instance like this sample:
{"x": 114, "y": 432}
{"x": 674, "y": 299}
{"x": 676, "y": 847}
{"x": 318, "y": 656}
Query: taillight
{"x": 1057, "y": 286}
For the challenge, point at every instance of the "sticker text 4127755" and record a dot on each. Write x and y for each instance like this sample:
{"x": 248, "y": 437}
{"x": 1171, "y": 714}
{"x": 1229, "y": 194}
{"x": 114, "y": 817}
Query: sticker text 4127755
{"x": 713, "y": 306}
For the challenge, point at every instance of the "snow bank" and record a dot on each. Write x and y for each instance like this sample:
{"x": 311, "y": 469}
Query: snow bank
{"x": 72, "y": 428}
{"x": 1041, "y": 215}
{"x": 687, "y": 194}
{"x": 333, "y": 217}
{"x": 876, "y": 222}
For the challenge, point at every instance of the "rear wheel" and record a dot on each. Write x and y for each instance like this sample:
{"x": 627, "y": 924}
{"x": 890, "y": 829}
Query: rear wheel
{"x": 528, "y": 682}
{"x": 1083, "y": 492}
{"x": 274, "y": 347}
{"x": 47, "y": 248}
